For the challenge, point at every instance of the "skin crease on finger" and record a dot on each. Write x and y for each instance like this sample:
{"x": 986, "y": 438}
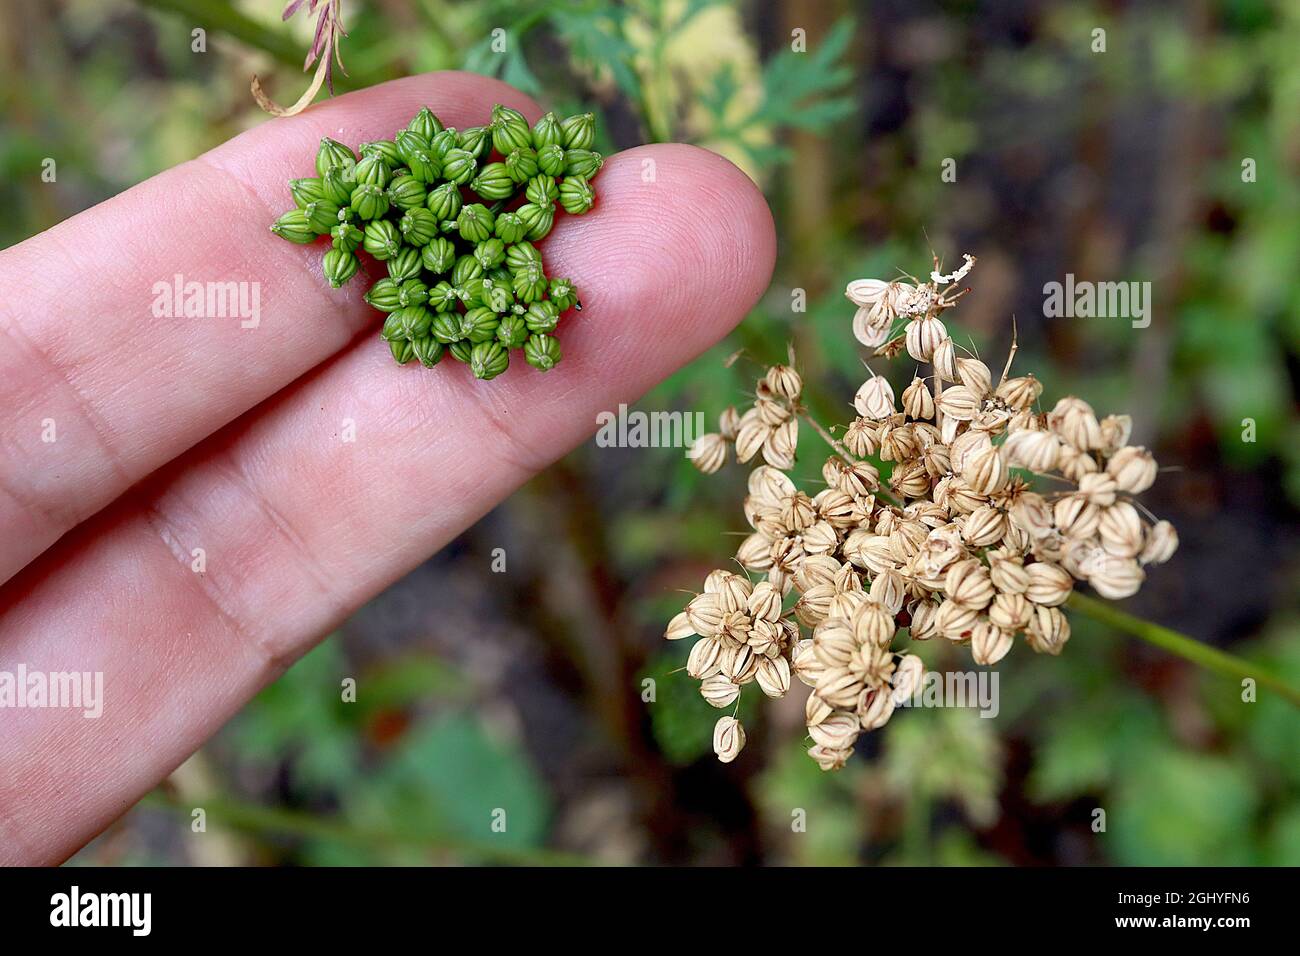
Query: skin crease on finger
{"x": 300, "y": 528}
{"x": 142, "y": 389}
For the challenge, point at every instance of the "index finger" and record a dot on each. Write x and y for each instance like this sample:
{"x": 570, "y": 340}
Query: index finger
{"x": 110, "y": 365}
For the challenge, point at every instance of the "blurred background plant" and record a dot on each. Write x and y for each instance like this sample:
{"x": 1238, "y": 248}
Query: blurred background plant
{"x": 1115, "y": 165}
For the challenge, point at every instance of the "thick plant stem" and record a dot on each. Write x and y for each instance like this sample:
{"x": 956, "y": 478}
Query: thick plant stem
{"x": 1203, "y": 655}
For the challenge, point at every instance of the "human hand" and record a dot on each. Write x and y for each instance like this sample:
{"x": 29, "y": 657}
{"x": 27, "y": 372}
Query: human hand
{"x": 130, "y": 441}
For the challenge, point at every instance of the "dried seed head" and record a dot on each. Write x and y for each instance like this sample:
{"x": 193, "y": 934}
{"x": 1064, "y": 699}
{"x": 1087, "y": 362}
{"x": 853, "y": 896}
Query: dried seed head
{"x": 719, "y": 691}
{"x": 1010, "y": 612}
{"x": 1120, "y": 530}
{"x": 989, "y": 643}
{"x": 704, "y": 658}
{"x": 861, "y": 437}
{"x": 967, "y": 583}
{"x": 1133, "y": 468}
{"x": 1075, "y": 422}
{"x": 944, "y": 361}
{"x": 709, "y": 453}
{"x": 1048, "y": 630}
{"x": 875, "y": 399}
{"x": 1049, "y": 584}
{"x": 785, "y": 382}
{"x": 1020, "y": 393}
{"x": 976, "y": 376}
{"x": 750, "y": 437}
{"x": 773, "y": 676}
{"x": 923, "y": 337}
{"x": 828, "y": 759}
{"x": 728, "y": 738}
{"x": 874, "y": 708}
{"x": 779, "y": 447}
{"x": 866, "y": 292}
{"x": 1035, "y": 450}
{"x": 986, "y": 471}
{"x": 907, "y": 677}
{"x": 837, "y": 732}
{"x": 679, "y": 627}
{"x": 958, "y": 403}
{"x": 816, "y": 710}
{"x": 729, "y": 423}
{"x": 1161, "y": 543}
{"x": 1117, "y": 578}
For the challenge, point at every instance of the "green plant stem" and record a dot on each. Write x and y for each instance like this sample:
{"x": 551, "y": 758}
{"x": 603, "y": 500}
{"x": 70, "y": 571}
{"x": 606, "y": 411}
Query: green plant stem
{"x": 1202, "y": 655}
{"x": 248, "y": 818}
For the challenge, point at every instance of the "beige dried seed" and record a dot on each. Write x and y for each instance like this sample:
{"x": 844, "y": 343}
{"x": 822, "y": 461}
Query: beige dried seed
{"x": 728, "y": 739}
{"x": 708, "y": 453}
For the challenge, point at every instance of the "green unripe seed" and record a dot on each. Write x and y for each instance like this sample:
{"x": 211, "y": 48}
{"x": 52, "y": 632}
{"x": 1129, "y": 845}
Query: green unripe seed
{"x": 490, "y": 253}
{"x": 542, "y": 352}
{"x": 425, "y": 123}
{"x": 582, "y": 162}
{"x": 385, "y": 295}
{"x": 383, "y": 149}
{"x": 479, "y": 324}
{"x": 521, "y": 254}
{"x": 427, "y": 350}
{"x": 405, "y": 264}
{"x": 488, "y": 360}
{"x": 401, "y": 349}
{"x": 547, "y": 132}
{"x": 446, "y": 327}
{"x": 339, "y": 266}
{"x": 444, "y": 297}
{"x": 305, "y": 191}
{"x": 369, "y": 201}
{"x": 466, "y": 269}
{"x": 564, "y": 295}
{"x": 415, "y": 321}
{"x": 537, "y": 220}
{"x": 541, "y": 190}
{"x": 293, "y": 225}
{"x": 346, "y": 236}
{"x": 474, "y": 140}
{"x": 550, "y": 160}
{"x": 322, "y": 216}
{"x": 493, "y": 182}
{"x": 475, "y": 222}
{"x": 512, "y": 332}
{"x": 381, "y": 240}
{"x": 439, "y": 255}
{"x": 406, "y": 192}
{"x": 337, "y": 184}
{"x": 418, "y": 227}
{"x": 333, "y": 153}
{"x": 542, "y": 316}
{"x": 521, "y": 164}
{"x": 372, "y": 170}
{"x": 461, "y": 350}
{"x": 459, "y": 166}
{"x": 576, "y": 195}
{"x": 509, "y": 228}
{"x": 529, "y": 283}
{"x": 444, "y": 202}
{"x": 579, "y": 131}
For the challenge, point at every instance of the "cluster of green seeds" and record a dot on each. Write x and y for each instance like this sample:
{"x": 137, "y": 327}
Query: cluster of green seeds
{"x": 453, "y": 215}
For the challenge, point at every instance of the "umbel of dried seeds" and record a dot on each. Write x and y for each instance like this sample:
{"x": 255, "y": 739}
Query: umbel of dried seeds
{"x": 453, "y": 215}
{"x": 956, "y": 544}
